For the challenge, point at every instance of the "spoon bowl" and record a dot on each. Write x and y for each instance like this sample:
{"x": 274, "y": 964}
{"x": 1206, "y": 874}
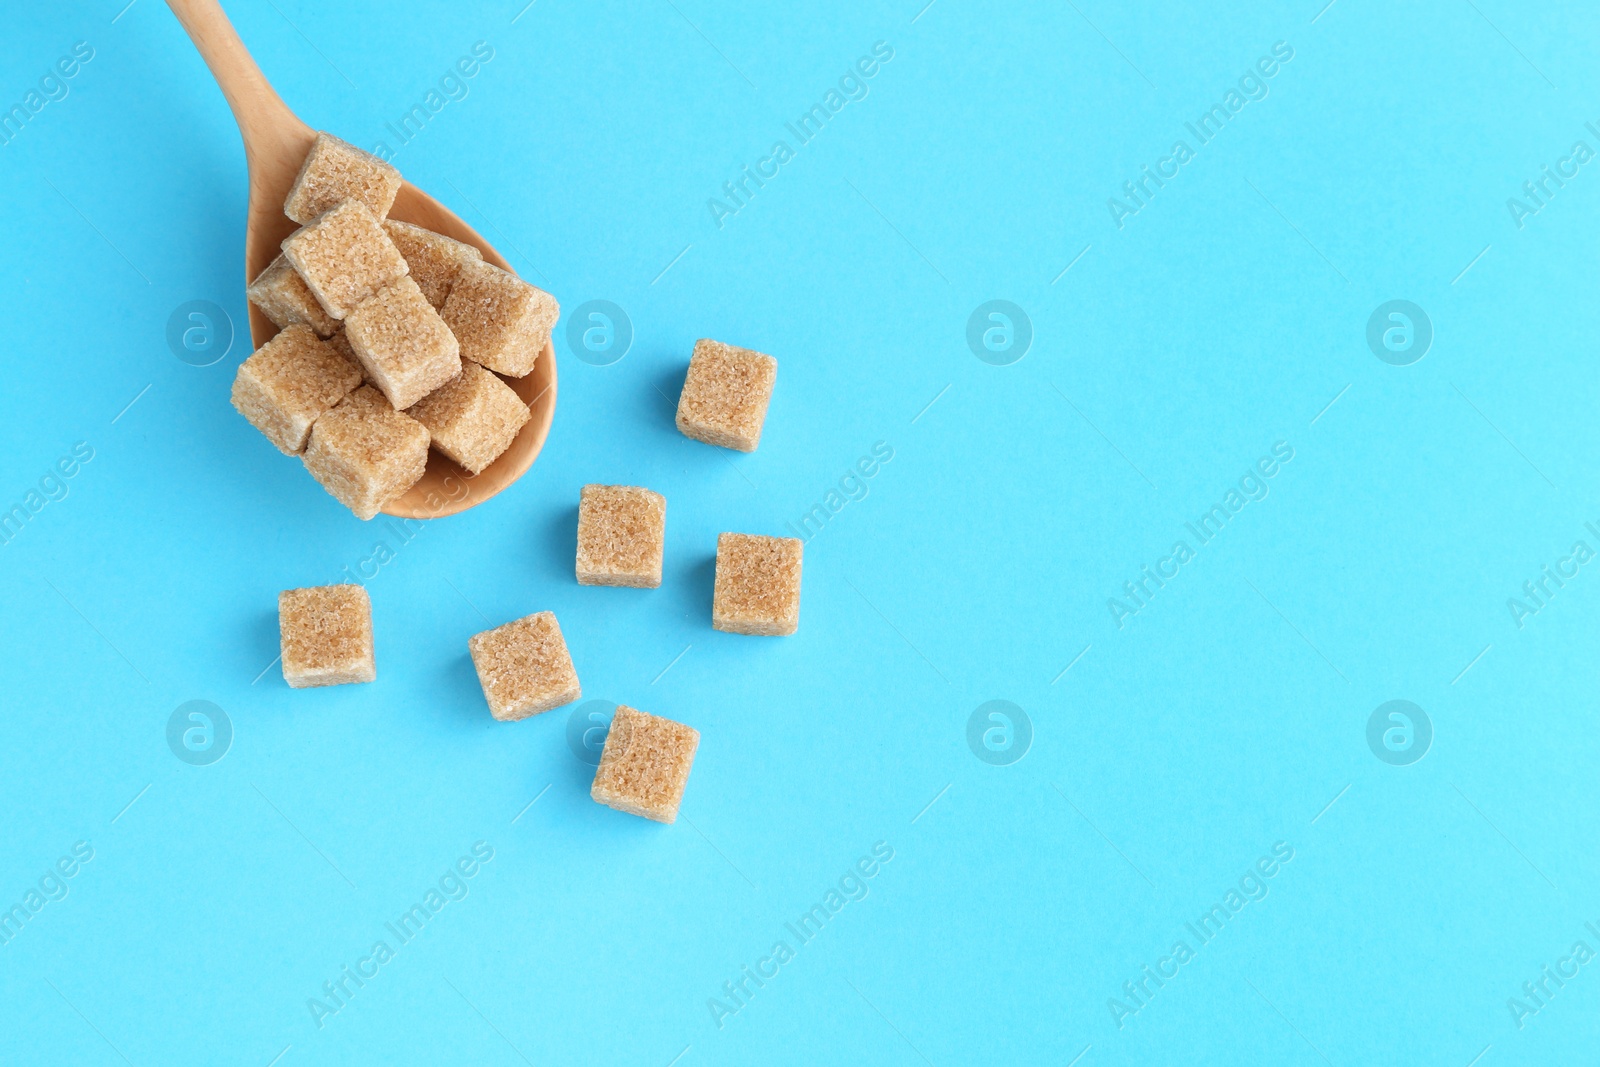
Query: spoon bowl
{"x": 275, "y": 144}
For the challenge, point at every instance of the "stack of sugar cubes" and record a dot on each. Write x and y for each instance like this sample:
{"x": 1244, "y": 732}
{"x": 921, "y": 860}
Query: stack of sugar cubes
{"x": 392, "y": 338}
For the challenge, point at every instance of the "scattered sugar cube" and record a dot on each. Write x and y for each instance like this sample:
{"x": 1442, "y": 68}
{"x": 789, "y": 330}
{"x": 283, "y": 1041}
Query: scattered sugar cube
{"x": 288, "y": 383}
{"x": 344, "y": 256}
{"x": 725, "y": 396}
{"x": 326, "y": 635}
{"x": 621, "y": 532}
{"x": 757, "y": 585}
{"x": 524, "y": 667}
{"x": 334, "y": 171}
{"x": 435, "y": 259}
{"x": 473, "y": 418}
{"x": 402, "y": 343}
{"x": 645, "y": 764}
{"x": 283, "y": 297}
{"x": 365, "y": 452}
{"x": 502, "y": 321}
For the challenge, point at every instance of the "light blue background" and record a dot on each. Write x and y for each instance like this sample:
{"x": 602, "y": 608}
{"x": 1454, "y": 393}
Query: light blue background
{"x": 1222, "y": 718}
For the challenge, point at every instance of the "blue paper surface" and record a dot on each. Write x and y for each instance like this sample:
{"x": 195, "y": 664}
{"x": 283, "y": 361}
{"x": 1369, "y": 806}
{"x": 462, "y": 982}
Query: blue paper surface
{"x": 1204, "y": 673}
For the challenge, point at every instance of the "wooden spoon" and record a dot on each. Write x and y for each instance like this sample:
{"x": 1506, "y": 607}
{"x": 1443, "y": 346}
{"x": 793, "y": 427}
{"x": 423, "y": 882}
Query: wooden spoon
{"x": 275, "y": 143}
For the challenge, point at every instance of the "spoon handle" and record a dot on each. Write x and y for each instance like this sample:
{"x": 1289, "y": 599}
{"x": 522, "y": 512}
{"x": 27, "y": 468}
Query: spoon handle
{"x": 274, "y": 138}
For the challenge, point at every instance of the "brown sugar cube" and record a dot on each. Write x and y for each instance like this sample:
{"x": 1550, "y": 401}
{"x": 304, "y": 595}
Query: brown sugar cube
{"x": 502, "y": 321}
{"x": 344, "y": 256}
{"x": 621, "y": 531}
{"x": 645, "y": 764}
{"x": 365, "y": 452}
{"x": 757, "y": 585}
{"x": 326, "y": 635}
{"x": 288, "y": 383}
{"x": 725, "y": 396}
{"x": 334, "y": 171}
{"x": 402, "y": 343}
{"x": 435, "y": 259}
{"x": 524, "y": 667}
{"x": 341, "y": 344}
{"x": 472, "y": 418}
{"x": 283, "y": 297}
